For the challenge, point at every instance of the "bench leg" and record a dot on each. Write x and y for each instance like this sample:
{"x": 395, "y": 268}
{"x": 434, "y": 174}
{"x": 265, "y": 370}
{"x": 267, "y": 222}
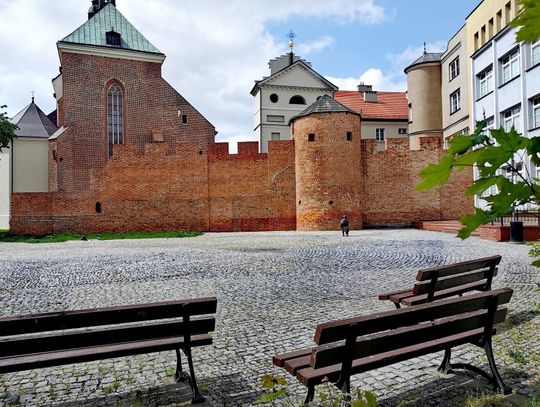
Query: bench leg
{"x": 197, "y": 397}
{"x": 310, "y": 395}
{"x": 179, "y": 376}
{"x": 446, "y": 366}
{"x": 398, "y": 305}
{"x": 499, "y": 384}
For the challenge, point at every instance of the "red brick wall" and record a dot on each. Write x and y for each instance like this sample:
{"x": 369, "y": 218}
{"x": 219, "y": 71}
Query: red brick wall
{"x": 390, "y": 178}
{"x": 162, "y": 189}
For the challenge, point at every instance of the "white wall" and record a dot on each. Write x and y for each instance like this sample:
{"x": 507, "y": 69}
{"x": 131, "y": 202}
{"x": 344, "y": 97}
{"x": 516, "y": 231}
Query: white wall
{"x": 5, "y": 169}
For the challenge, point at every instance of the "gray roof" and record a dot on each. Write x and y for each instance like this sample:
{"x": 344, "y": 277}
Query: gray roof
{"x": 325, "y": 104}
{"x": 93, "y": 32}
{"x": 33, "y": 122}
{"x": 426, "y": 58}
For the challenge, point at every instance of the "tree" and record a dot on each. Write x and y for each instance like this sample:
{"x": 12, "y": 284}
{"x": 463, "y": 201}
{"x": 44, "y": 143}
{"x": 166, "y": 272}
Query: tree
{"x": 7, "y": 129}
{"x": 489, "y": 152}
{"x": 528, "y": 21}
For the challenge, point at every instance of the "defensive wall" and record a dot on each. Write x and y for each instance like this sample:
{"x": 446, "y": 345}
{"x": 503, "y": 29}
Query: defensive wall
{"x": 208, "y": 189}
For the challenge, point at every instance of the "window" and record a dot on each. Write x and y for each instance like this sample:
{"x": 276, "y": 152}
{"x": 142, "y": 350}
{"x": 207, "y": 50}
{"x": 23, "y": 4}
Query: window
{"x": 297, "y": 100}
{"x": 184, "y": 119}
{"x": 454, "y": 68}
{"x": 275, "y": 118}
{"x": 115, "y": 116}
{"x": 488, "y": 126}
{"x": 113, "y": 38}
{"x": 410, "y": 112}
{"x": 485, "y": 82}
{"x": 535, "y": 103}
{"x": 512, "y": 118}
{"x": 275, "y": 137}
{"x": 510, "y": 67}
{"x": 379, "y": 134}
{"x": 311, "y": 137}
{"x": 402, "y": 130}
{"x": 455, "y": 101}
{"x": 274, "y": 98}
{"x": 349, "y": 136}
{"x": 535, "y": 53}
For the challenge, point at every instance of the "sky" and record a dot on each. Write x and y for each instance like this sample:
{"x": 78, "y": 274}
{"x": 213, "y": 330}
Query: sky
{"x": 217, "y": 49}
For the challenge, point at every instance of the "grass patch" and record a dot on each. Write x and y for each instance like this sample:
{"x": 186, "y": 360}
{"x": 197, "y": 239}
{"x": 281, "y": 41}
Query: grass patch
{"x": 517, "y": 356}
{"x": 6, "y": 237}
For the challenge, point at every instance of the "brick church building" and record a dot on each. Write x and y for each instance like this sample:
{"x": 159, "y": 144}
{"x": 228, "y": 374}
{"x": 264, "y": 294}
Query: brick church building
{"x": 132, "y": 154}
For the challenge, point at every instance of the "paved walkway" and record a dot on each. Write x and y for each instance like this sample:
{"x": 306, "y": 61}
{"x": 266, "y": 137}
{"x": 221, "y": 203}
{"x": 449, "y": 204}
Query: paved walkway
{"x": 273, "y": 288}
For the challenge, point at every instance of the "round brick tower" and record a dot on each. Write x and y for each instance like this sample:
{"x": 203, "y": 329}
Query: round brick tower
{"x": 327, "y": 160}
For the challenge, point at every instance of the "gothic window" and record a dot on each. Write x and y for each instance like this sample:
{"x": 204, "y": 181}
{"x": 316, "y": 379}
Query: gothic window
{"x": 115, "y": 116}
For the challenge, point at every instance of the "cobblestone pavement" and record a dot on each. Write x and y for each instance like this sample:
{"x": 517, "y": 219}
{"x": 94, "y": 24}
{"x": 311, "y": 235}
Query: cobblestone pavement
{"x": 273, "y": 288}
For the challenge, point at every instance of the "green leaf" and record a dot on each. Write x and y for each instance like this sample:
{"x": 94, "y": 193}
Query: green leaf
{"x": 460, "y": 144}
{"x": 371, "y": 398}
{"x": 533, "y": 149}
{"x": 436, "y": 174}
{"x": 472, "y": 222}
{"x": 481, "y": 185}
{"x": 267, "y": 381}
{"x": 528, "y": 21}
{"x": 359, "y": 403}
{"x": 536, "y": 263}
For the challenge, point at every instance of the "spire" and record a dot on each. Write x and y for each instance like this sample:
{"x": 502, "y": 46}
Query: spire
{"x": 291, "y": 36}
{"x": 97, "y": 5}
{"x": 425, "y": 48}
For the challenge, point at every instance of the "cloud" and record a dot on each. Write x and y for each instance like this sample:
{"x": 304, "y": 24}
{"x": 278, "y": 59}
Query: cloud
{"x": 215, "y": 49}
{"x": 375, "y": 77}
{"x": 411, "y": 53}
{"x": 394, "y": 79}
{"x": 307, "y": 48}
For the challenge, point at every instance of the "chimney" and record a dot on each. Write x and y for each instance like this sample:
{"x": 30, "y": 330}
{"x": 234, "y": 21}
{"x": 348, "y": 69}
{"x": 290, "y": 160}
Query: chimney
{"x": 370, "y": 96}
{"x": 364, "y": 88}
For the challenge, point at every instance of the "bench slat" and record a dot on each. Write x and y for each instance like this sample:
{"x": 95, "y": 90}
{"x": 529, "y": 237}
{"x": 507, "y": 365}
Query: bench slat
{"x": 421, "y": 299}
{"x": 310, "y": 376}
{"x": 293, "y": 365}
{"x": 39, "y": 360}
{"x": 339, "y": 330}
{"x": 327, "y": 355}
{"x": 397, "y": 298}
{"x": 279, "y": 360}
{"x": 423, "y": 287}
{"x": 458, "y": 268}
{"x": 33, "y": 323}
{"x": 102, "y": 336}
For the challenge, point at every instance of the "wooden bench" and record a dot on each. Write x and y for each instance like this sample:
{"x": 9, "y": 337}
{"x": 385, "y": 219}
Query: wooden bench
{"x": 447, "y": 281}
{"x": 59, "y": 338}
{"x": 356, "y": 345}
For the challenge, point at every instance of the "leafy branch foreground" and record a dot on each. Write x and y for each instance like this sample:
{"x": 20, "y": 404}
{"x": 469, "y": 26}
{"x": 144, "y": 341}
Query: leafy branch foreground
{"x": 489, "y": 153}
{"x": 328, "y": 396}
{"x": 6, "y": 237}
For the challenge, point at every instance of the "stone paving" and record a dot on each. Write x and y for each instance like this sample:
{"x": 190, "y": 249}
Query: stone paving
{"x": 273, "y": 288}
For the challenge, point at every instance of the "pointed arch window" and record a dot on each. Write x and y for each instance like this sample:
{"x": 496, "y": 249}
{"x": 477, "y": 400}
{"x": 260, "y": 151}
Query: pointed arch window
{"x": 115, "y": 116}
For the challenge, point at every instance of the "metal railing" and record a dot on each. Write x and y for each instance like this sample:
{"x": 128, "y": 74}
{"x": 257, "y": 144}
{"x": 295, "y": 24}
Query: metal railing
{"x": 528, "y": 217}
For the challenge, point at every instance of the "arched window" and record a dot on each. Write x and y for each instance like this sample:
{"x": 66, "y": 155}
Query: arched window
{"x": 115, "y": 116}
{"x": 297, "y": 100}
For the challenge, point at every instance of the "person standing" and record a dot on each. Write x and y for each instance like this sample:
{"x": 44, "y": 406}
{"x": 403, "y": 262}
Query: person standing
{"x": 344, "y": 224}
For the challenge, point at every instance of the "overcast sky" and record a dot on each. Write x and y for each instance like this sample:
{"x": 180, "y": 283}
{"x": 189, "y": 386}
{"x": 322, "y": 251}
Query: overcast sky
{"x": 216, "y": 49}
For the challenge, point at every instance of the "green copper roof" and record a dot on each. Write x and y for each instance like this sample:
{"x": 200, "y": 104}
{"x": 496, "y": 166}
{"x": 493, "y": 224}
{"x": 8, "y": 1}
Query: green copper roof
{"x": 93, "y": 32}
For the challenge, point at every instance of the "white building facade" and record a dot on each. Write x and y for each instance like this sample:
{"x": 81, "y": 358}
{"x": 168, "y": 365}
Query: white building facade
{"x": 506, "y": 92}
{"x": 291, "y": 87}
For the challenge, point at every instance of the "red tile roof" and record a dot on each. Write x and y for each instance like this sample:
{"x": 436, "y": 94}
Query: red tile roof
{"x": 389, "y": 105}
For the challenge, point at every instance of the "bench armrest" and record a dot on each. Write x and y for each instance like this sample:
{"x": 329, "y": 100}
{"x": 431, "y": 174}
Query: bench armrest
{"x": 386, "y": 296}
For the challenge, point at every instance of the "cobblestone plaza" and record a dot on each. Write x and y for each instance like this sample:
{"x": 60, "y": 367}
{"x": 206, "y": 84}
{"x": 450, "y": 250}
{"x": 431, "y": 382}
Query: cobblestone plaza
{"x": 273, "y": 288}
